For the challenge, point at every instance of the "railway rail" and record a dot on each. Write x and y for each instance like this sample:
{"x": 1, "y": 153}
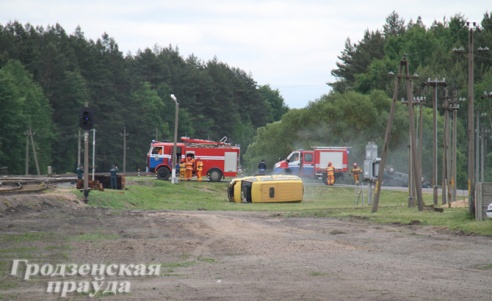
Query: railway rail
{"x": 16, "y": 184}
{"x": 29, "y": 184}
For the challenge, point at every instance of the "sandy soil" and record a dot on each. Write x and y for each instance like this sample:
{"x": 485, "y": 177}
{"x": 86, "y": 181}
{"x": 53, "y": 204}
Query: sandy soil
{"x": 243, "y": 255}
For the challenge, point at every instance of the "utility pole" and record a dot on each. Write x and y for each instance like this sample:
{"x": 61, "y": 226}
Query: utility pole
{"x": 480, "y": 150}
{"x": 34, "y": 151}
{"x": 384, "y": 154}
{"x": 435, "y": 83}
{"x": 174, "y": 179}
{"x": 86, "y": 166}
{"x": 453, "y": 106}
{"x": 411, "y": 202}
{"x": 484, "y": 134}
{"x": 412, "y": 144}
{"x": 78, "y": 149}
{"x": 93, "y": 153}
{"x": 445, "y": 152}
{"x": 471, "y": 128}
{"x": 416, "y": 169}
{"x": 421, "y": 101}
{"x": 478, "y": 130}
{"x": 125, "y": 134}
{"x": 27, "y": 152}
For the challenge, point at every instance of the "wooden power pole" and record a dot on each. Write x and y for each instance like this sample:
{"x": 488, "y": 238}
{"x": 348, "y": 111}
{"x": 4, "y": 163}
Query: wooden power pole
{"x": 415, "y": 158}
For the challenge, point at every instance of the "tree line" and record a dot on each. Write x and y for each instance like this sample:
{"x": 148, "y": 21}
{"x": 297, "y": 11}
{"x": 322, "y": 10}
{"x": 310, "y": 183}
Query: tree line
{"x": 47, "y": 75}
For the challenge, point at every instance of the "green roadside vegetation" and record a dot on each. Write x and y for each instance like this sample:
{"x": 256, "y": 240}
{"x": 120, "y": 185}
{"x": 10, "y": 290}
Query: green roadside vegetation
{"x": 147, "y": 193}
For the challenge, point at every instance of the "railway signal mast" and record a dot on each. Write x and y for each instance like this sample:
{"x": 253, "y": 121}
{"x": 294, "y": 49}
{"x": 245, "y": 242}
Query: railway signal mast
{"x": 86, "y": 122}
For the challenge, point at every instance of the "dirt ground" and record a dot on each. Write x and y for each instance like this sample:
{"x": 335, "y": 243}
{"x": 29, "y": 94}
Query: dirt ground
{"x": 240, "y": 255}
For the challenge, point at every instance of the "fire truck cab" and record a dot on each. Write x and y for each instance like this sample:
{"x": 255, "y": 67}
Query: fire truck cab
{"x": 220, "y": 159}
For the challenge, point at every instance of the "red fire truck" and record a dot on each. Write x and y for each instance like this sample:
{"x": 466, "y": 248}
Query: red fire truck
{"x": 220, "y": 159}
{"x": 313, "y": 163}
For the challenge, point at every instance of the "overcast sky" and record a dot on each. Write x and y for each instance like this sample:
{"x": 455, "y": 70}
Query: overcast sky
{"x": 292, "y": 45}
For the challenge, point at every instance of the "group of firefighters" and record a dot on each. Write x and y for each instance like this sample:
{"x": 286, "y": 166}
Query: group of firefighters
{"x": 186, "y": 167}
{"x": 330, "y": 172}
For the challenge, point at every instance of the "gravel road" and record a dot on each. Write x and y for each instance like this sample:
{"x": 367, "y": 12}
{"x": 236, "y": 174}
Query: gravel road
{"x": 243, "y": 256}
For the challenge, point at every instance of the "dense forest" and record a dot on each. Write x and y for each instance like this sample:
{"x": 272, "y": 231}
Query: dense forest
{"x": 47, "y": 76}
{"x": 357, "y": 109}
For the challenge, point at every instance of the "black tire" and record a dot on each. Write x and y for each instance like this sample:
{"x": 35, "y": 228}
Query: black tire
{"x": 215, "y": 175}
{"x": 339, "y": 175}
{"x": 324, "y": 178}
{"x": 163, "y": 173}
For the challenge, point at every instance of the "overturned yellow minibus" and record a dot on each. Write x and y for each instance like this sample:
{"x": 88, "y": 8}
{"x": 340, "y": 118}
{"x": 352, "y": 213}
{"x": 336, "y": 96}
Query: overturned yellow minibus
{"x": 266, "y": 189}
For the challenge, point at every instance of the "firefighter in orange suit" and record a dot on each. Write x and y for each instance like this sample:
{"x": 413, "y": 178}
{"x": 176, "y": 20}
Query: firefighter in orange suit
{"x": 356, "y": 171}
{"x": 199, "y": 168}
{"x": 330, "y": 172}
{"x": 182, "y": 169}
{"x": 189, "y": 168}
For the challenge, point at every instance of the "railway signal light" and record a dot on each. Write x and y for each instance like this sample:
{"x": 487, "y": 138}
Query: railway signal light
{"x": 86, "y": 118}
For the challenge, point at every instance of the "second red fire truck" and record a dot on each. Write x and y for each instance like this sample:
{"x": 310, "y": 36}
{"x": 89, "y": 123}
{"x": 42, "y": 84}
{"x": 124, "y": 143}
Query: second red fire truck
{"x": 220, "y": 159}
{"x": 313, "y": 163}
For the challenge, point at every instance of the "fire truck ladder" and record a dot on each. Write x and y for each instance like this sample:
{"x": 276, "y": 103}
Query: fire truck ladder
{"x": 331, "y": 147}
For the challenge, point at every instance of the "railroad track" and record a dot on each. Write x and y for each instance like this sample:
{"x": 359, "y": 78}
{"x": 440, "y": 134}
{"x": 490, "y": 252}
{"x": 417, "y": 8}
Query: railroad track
{"x": 18, "y": 185}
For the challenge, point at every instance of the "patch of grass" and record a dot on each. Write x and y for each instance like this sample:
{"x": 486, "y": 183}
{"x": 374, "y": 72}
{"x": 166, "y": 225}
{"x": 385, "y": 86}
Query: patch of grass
{"x": 169, "y": 267}
{"x": 209, "y": 260}
{"x": 26, "y": 237}
{"x": 17, "y": 250}
{"x": 318, "y": 274}
{"x": 7, "y": 285}
{"x": 173, "y": 265}
{"x": 147, "y": 193}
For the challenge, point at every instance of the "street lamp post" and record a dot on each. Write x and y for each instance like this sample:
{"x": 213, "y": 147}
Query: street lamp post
{"x": 174, "y": 179}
